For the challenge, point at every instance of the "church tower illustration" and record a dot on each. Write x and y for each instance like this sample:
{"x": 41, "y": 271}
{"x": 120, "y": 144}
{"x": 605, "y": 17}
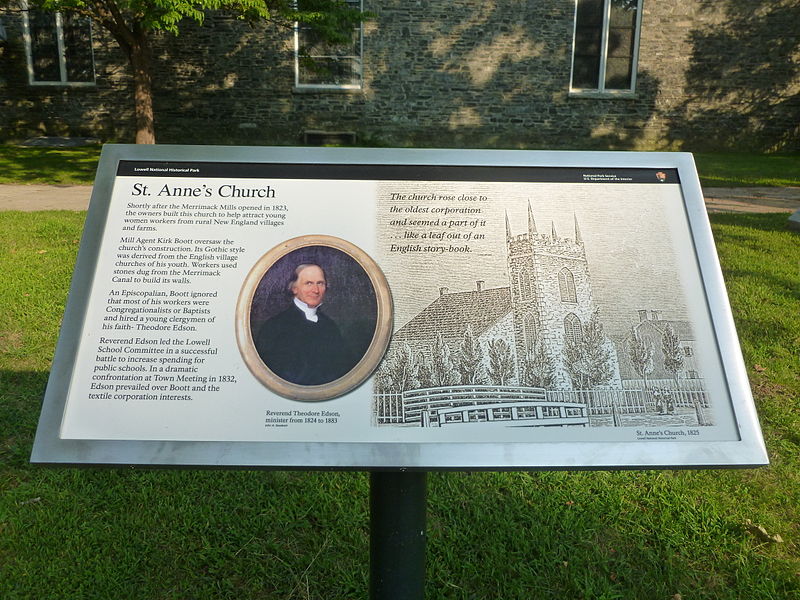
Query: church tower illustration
{"x": 551, "y": 293}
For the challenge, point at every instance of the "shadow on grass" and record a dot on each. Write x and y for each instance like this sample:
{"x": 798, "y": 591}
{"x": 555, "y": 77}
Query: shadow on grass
{"x": 21, "y": 394}
{"x": 759, "y": 258}
{"x": 588, "y": 535}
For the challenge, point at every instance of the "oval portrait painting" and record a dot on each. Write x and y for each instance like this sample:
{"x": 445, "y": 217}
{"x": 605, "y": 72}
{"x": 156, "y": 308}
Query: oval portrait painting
{"x": 314, "y": 318}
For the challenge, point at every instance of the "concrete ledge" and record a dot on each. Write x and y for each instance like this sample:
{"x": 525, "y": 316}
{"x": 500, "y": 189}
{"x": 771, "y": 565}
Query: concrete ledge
{"x": 752, "y": 199}
{"x": 34, "y": 197}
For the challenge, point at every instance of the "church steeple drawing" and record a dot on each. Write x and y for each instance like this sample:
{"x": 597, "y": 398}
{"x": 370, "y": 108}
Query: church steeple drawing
{"x": 551, "y": 292}
{"x": 531, "y": 220}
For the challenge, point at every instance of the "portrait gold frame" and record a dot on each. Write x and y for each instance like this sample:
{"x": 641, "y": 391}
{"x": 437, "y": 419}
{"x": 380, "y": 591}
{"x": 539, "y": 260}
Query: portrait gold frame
{"x": 368, "y": 362}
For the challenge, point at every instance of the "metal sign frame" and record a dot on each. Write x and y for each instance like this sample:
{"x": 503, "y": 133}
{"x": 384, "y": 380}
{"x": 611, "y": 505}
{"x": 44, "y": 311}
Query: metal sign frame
{"x": 748, "y": 450}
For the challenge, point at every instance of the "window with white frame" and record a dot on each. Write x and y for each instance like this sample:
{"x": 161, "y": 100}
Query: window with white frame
{"x": 322, "y": 64}
{"x": 605, "y": 47}
{"x": 58, "y": 48}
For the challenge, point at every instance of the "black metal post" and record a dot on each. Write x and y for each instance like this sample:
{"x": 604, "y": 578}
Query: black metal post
{"x": 397, "y": 535}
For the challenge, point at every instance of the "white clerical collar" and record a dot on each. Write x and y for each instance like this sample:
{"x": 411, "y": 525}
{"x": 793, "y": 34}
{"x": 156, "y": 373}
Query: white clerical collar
{"x": 310, "y": 313}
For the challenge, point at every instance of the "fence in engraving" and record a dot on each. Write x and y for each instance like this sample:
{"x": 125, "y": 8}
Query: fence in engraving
{"x": 519, "y": 414}
{"x": 388, "y": 409}
{"x": 604, "y": 402}
{"x": 691, "y": 385}
{"x": 436, "y": 407}
{"x": 422, "y": 406}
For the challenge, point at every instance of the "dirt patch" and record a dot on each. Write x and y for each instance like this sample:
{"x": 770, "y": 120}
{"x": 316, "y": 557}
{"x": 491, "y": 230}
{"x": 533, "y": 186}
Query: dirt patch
{"x": 752, "y": 199}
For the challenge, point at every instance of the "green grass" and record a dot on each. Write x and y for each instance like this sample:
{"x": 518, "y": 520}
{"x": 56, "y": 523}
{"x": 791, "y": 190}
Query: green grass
{"x": 20, "y": 164}
{"x": 748, "y": 170}
{"x": 62, "y": 166}
{"x": 204, "y": 534}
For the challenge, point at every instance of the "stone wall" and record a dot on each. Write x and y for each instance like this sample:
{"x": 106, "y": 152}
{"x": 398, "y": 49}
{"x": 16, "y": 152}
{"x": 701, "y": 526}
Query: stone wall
{"x": 104, "y": 110}
{"x": 450, "y": 73}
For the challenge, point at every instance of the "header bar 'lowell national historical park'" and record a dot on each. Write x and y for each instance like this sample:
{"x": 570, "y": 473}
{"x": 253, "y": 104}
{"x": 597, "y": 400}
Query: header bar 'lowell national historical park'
{"x": 368, "y": 172}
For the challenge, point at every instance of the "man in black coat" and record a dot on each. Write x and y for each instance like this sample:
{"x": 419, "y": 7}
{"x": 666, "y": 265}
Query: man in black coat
{"x": 301, "y": 344}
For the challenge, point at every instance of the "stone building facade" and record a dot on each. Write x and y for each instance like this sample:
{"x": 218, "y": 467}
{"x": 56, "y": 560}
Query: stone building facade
{"x": 701, "y": 74}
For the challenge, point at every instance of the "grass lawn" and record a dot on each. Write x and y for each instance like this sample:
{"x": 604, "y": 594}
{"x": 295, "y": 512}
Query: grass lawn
{"x": 62, "y": 166}
{"x": 177, "y": 534}
{"x": 20, "y": 164}
{"x": 737, "y": 170}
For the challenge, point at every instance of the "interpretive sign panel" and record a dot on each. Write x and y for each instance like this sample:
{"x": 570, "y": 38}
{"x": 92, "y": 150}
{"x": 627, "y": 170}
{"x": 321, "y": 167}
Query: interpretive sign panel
{"x": 397, "y": 308}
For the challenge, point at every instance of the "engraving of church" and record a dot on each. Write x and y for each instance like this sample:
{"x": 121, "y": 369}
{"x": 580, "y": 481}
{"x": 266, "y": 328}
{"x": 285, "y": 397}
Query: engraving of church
{"x": 538, "y": 351}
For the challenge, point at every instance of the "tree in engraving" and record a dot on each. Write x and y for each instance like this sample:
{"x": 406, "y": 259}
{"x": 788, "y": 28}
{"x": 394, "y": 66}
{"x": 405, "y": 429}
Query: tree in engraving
{"x": 640, "y": 351}
{"x": 538, "y": 367}
{"x": 469, "y": 361}
{"x": 673, "y": 363}
{"x": 672, "y": 351}
{"x": 442, "y": 369}
{"x": 501, "y": 362}
{"x": 383, "y": 383}
{"x": 424, "y": 371}
{"x": 587, "y": 358}
{"x": 401, "y": 370}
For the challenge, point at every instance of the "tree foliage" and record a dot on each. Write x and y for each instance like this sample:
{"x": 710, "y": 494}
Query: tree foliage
{"x": 501, "y": 362}
{"x": 673, "y": 353}
{"x": 588, "y": 359}
{"x": 424, "y": 372}
{"x": 400, "y": 370}
{"x": 538, "y": 367}
{"x": 470, "y": 359}
{"x": 640, "y": 352}
{"x": 442, "y": 369}
{"x": 132, "y": 22}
